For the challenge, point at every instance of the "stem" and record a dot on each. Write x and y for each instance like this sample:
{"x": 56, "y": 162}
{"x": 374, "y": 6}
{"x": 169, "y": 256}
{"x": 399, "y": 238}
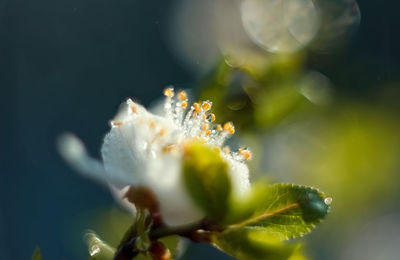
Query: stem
{"x": 184, "y": 230}
{"x": 126, "y": 250}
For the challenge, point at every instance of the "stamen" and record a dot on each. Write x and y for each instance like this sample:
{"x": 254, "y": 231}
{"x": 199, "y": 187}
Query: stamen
{"x": 205, "y": 127}
{"x": 133, "y": 109}
{"x": 182, "y": 96}
{"x": 169, "y": 148}
{"x": 206, "y": 105}
{"x": 169, "y": 92}
{"x": 184, "y": 104}
{"x": 246, "y": 154}
{"x": 162, "y": 132}
{"x": 229, "y": 128}
{"x": 197, "y": 107}
{"x": 219, "y": 128}
{"x": 116, "y": 123}
{"x": 210, "y": 118}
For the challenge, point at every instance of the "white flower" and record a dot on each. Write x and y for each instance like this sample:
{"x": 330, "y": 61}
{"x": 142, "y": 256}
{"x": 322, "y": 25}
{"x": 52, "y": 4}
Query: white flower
{"x": 143, "y": 149}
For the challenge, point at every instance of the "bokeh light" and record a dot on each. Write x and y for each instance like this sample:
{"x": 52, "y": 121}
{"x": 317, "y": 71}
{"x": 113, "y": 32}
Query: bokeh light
{"x": 280, "y": 25}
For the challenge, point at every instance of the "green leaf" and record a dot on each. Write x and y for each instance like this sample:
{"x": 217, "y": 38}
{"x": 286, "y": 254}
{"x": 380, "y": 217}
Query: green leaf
{"x": 206, "y": 178}
{"x": 244, "y": 244}
{"x": 98, "y": 250}
{"x": 283, "y": 211}
{"x": 37, "y": 255}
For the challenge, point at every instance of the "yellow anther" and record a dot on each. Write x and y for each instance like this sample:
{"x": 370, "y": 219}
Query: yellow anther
{"x": 133, "y": 109}
{"x": 208, "y": 132}
{"x": 116, "y": 123}
{"x": 169, "y": 92}
{"x": 197, "y": 107}
{"x": 219, "y": 128}
{"x": 182, "y": 95}
{"x": 162, "y": 132}
{"x": 212, "y": 117}
{"x": 152, "y": 124}
{"x": 169, "y": 148}
{"x": 184, "y": 104}
{"x": 246, "y": 154}
{"x": 205, "y": 127}
{"x": 229, "y": 128}
{"x": 206, "y": 105}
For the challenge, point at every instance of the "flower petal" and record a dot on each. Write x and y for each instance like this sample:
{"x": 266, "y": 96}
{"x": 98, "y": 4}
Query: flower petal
{"x": 74, "y": 152}
{"x": 239, "y": 173}
{"x": 165, "y": 180}
{"x": 121, "y": 154}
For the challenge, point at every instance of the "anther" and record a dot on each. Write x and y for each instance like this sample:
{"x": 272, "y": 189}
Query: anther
{"x": 246, "y": 154}
{"x": 218, "y": 128}
{"x": 182, "y": 95}
{"x": 210, "y": 118}
{"x": 197, "y": 107}
{"x": 133, "y": 109}
{"x": 116, "y": 123}
{"x": 169, "y": 92}
{"x": 204, "y": 127}
{"x": 229, "y": 128}
{"x": 162, "y": 132}
{"x": 184, "y": 104}
{"x": 206, "y": 105}
{"x": 169, "y": 148}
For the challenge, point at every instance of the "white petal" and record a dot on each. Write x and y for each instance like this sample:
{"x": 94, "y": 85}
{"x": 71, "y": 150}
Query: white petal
{"x": 74, "y": 152}
{"x": 122, "y": 156}
{"x": 239, "y": 173}
{"x": 165, "y": 179}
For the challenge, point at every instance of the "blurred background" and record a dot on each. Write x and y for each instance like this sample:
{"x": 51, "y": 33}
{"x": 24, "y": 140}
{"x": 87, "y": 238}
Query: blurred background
{"x": 313, "y": 87}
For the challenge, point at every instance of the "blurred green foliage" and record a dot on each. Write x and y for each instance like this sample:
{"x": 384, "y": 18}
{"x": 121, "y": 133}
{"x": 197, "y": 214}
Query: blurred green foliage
{"x": 303, "y": 134}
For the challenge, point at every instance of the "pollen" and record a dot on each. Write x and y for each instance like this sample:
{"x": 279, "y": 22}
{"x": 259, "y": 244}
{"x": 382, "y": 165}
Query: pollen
{"x": 184, "y": 104}
{"x": 162, "y": 132}
{"x": 169, "y": 92}
{"x": 169, "y": 148}
{"x": 206, "y": 105}
{"x": 133, "y": 109}
{"x": 229, "y": 128}
{"x": 116, "y": 123}
{"x": 246, "y": 154}
{"x": 208, "y": 132}
{"x": 211, "y": 117}
{"x": 219, "y": 128}
{"x": 182, "y": 95}
{"x": 205, "y": 127}
{"x": 197, "y": 107}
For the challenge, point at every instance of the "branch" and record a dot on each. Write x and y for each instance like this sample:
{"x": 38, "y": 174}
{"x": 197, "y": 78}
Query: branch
{"x": 197, "y": 232}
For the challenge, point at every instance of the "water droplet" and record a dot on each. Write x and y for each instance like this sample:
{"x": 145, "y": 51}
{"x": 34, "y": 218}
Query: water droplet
{"x": 328, "y": 201}
{"x": 94, "y": 250}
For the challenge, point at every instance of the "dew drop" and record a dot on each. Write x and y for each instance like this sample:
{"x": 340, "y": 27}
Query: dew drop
{"x": 328, "y": 201}
{"x": 94, "y": 250}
